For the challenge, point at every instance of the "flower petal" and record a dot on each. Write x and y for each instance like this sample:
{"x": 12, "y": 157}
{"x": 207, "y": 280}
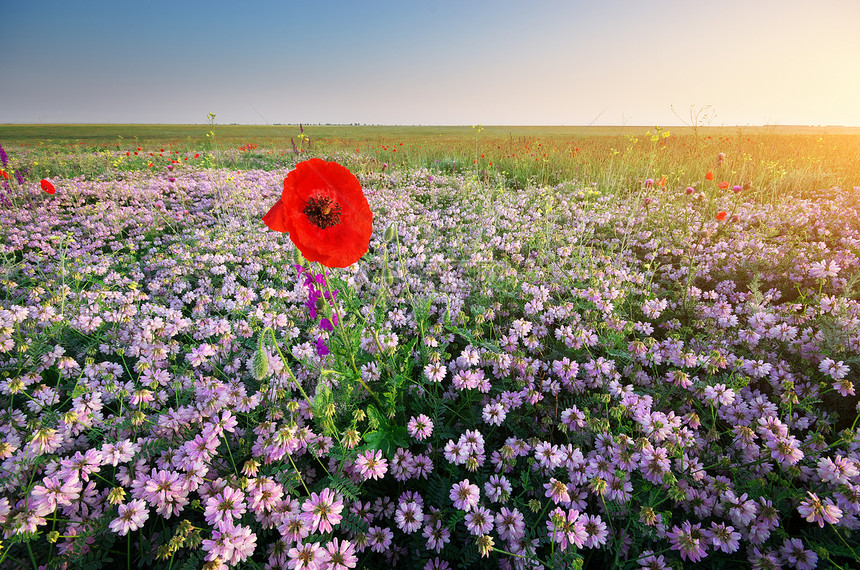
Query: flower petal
{"x": 276, "y": 217}
{"x": 339, "y": 245}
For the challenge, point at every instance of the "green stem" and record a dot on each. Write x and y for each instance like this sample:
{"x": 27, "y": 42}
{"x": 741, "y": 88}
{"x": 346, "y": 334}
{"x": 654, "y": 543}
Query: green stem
{"x": 32, "y": 558}
{"x": 296, "y": 469}
{"x": 230, "y": 453}
{"x": 347, "y": 345}
{"x": 286, "y": 364}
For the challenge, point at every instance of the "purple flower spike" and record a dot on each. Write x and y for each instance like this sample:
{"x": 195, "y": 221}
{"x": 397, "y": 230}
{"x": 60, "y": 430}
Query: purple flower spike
{"x": 322, "y": 349}
{"x": 3, "y": 158}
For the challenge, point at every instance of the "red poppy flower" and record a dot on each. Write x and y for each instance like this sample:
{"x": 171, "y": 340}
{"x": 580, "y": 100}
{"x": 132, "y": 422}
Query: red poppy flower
{"x": 723, "y": 185}
{"x": 4, "y": 175}
{"x": 709, "y": 176}
{"x": 48, "y": 187}
{"x": 721, "y": 216}
{"x": 325, "y": 212}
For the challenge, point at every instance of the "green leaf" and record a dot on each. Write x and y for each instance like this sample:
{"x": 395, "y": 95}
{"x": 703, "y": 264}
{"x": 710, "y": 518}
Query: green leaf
{"x": 375, "y": 418}
{"x": 388, "y": 439}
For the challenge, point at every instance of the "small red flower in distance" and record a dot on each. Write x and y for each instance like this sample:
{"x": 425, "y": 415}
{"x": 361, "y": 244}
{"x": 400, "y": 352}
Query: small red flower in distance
{"x": 721, "y": 216}
{"x": 47, "y": 187}
{"x": 709, "y": 176}
{"x": 325, "y": 212}
{"x": 723, "y": 185}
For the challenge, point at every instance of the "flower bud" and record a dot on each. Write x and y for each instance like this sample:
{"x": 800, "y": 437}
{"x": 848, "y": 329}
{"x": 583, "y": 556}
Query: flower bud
{"x": 389, "y": 232}
{"x": 298, "y": 257}
{"x": 116, "y": 496}
{"x": 259, "y": 365}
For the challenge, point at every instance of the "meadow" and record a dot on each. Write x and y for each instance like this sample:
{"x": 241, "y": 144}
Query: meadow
{"x": 564, "y": 348}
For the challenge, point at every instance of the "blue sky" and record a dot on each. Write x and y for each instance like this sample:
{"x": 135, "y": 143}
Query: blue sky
{"x": 431, "y": 62}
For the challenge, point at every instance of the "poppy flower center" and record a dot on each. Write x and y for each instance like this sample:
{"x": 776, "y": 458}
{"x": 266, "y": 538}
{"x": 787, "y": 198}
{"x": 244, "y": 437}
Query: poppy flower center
{"x": 323, "y": 212}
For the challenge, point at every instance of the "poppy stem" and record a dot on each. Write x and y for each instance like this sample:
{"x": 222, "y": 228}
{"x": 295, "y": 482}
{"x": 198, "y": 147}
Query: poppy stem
{"x": 286, "y": 364}
{"x": 344, "y": 338}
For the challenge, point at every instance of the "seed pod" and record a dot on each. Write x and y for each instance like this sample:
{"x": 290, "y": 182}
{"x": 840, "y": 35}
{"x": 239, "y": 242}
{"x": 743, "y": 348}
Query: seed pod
{"x": 259, "y": 365}
{"x": 389, "y": 276}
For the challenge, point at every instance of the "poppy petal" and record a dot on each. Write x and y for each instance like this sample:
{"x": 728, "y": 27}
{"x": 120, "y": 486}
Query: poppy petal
{"x": 345, "y": 235}
{"x": 276, "y": 217}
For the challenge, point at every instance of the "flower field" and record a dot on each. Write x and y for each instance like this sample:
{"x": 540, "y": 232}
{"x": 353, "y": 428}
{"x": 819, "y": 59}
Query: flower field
{"x": 645, "y": 360}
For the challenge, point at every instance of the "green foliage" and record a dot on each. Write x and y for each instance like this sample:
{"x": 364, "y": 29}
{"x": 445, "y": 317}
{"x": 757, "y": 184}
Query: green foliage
{"x": 387, "y": 437}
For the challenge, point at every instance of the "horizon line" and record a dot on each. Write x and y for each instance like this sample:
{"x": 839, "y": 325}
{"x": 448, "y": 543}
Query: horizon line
{"x": 482, "y": 125}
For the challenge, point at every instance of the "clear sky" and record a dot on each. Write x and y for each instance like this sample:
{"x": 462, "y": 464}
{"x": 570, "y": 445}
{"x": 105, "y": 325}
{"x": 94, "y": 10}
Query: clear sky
{"x": 436, "y": 62}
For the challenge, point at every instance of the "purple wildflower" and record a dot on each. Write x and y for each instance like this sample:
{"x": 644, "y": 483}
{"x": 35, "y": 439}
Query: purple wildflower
{"x": 371, "y": 464}
{"x": 307, "y": 556}
{"x": 420, "y": 427}
{"x": 322, "y": 349}
{"x": 325, "y": 509}
{"x": 813, "y": 510}
{"x": 465, "y": 495}
{"x": 437, "y": 536}
{"x": 794, "y": 553}
{"x": 225, "y": 506}
{"x": 409, "y": 516}
{"x": 689, "y": 540}
{"x": 479, "y": 521}
{"x": 339, "y": 555}
{"x": 131, "y": 517}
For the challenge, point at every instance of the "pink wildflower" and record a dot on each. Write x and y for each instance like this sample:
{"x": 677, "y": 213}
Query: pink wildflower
{"x": 420, "y": 427}
{"x": 815, "y": 511}
{"x": 479, "y": 521}
{"x": 408, "y": 516}
{"x": 339, "y": 555}
{"x": 132, "y": 515}
{"x": 324, "y": 509}
{"x": 371, "y": 464}
{"x": 465, "y": 495}
{"x": 306, "y": 557}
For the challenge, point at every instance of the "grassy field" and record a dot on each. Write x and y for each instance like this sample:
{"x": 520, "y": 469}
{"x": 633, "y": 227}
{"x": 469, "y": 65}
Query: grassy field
{"x": 769, "y": 161}
{"x": 277, "y": 134}
{"x": 563, "y": 348}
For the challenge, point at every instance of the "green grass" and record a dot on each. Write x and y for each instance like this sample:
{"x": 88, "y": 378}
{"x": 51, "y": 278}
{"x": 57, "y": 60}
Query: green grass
{"x": 772, "y": 162}
{"x": 167, "y": 134}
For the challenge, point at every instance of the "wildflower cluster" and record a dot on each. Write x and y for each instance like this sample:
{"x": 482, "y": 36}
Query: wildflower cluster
{"x": 553, "y": 377}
